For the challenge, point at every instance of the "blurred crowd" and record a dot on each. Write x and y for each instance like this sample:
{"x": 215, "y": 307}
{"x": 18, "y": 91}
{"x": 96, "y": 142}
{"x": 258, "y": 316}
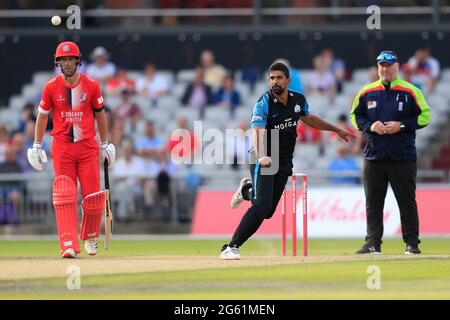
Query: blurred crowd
{"x": 145, "y": 168}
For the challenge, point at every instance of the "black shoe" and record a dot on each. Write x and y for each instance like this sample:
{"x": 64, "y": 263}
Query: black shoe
{"x": 369, "y": 249}
{"x": 412, "y": 249}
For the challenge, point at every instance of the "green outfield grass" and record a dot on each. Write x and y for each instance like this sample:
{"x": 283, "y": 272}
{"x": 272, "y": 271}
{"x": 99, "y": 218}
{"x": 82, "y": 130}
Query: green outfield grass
{"x": 331, "y": 272}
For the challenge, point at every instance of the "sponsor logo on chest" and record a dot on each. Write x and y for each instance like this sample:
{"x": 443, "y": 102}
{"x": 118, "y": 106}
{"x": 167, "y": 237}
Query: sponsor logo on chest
{"x": 72, "y": 116}
{"x": 288, "y": 123}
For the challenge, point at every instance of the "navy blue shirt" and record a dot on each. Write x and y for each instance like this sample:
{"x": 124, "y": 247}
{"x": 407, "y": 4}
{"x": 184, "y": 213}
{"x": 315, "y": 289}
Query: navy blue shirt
{"x": 270, "y": 114}
{"x": 400, "y": 101}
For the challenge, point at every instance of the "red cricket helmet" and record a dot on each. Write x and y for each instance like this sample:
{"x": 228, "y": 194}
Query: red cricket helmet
{"x": 67, "y": 49}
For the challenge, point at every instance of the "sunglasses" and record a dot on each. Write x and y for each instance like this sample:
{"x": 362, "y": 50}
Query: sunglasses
{"x": 387, "y": 57}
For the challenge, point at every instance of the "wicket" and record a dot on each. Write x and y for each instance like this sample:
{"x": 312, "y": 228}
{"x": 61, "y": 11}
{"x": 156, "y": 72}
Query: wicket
{"x": 303, "y": 197}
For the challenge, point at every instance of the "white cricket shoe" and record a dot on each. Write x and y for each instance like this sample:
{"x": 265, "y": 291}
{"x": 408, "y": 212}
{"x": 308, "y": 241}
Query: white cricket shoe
{"x": 237, "y": 197}
{"x": 230, "y": 253}
{"x": 91, "y": 246}
{"x": 69, "y": 253}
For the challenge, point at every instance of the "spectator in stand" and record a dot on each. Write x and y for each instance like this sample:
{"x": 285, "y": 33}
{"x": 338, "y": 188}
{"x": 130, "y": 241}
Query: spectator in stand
{"x": 250, "y": 72}
{"x": 182, "y": 144}
{"x": 20, "y": 151}
{"x": 344, "y": 162}
{"x": 214, "y": 73}
{"x": 117, "y": 133}
{"x": 296, "y": 80}
{"x": 307, "y": 134}
{"x": 29, "y": 136}
{"x": 4, "y": 142}
{"x": 121, "y": 81}
{"x": 321, "y": 81}
{"x": 128, "y": 182}
{"x": 129, "y": 111}
{"x": 150, "y": 146}
{"x": 227, "y": 96}
{"x": 250, "y": 75}
{"x": 152, "y": 85}
{"x": 10, "y": 191}
{"x": 153, "y": 149}
{"x": 238, "y": 147}
{"x": 190, "y": 184}
{"x": 336, "y": 66}
{"x": 197, "y": 94}
{"x": 26, "y": 114}
{"x": 354, "y": 147}
{"x": 127, "y": 108}
{"x": 422, "y": 70}
{"x": 158, "y": 169}
{"x": 101, "y": 69}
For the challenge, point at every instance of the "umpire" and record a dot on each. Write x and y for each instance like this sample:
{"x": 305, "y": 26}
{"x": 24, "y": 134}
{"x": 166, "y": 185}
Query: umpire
{"x": 389, "y": 111}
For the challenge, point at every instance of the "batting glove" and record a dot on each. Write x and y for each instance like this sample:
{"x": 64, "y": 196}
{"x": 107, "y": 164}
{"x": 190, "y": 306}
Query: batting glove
{"x": 108, "y": 152}
{"x": 36, "y": 156}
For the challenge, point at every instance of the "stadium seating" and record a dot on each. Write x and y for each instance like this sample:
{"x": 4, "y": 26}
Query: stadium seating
{"x": 168, "y": 109}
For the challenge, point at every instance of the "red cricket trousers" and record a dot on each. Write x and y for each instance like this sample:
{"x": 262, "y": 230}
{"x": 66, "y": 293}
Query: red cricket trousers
{"x": 78, "y": 160}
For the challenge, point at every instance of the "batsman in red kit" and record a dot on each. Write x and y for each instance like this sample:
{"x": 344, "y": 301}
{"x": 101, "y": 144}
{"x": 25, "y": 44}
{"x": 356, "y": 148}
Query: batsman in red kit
{"x": 75, "y": 101}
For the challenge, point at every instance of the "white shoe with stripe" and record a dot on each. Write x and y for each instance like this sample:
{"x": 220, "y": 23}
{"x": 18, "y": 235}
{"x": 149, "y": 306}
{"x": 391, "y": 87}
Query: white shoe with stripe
{"x": 237, "y": 197}
{"x": 91, "y": 246}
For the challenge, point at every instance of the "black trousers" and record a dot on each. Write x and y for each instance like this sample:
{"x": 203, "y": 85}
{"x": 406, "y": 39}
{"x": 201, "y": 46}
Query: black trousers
{"x": 266, "y": 193}
{"x": 401, "y": 175}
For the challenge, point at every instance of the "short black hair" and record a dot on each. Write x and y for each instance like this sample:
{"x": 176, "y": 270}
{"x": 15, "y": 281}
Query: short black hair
{"x": 278, "y": 66}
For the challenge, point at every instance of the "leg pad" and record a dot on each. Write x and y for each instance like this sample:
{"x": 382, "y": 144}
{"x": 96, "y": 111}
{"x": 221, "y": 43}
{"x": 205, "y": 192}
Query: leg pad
{"x": 65, "y": 203}
{"x": 93, "y": 206}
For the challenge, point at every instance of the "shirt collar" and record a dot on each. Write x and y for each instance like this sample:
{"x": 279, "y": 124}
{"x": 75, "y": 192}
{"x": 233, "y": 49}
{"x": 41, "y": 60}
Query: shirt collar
{"x": 394, "y": 83}
{"x": 275, "y": 100}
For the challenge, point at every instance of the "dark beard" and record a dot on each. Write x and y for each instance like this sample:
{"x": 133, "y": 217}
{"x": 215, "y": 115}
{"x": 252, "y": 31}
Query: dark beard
{"x": 278, "y": 90}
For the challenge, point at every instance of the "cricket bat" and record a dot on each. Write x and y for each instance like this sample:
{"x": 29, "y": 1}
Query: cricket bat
{"x": 108, "y": 213}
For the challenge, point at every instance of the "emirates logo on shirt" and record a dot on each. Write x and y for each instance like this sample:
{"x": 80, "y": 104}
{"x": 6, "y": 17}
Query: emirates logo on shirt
{"x": 83, "y": 97}
{"x": 72, "y": 116}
